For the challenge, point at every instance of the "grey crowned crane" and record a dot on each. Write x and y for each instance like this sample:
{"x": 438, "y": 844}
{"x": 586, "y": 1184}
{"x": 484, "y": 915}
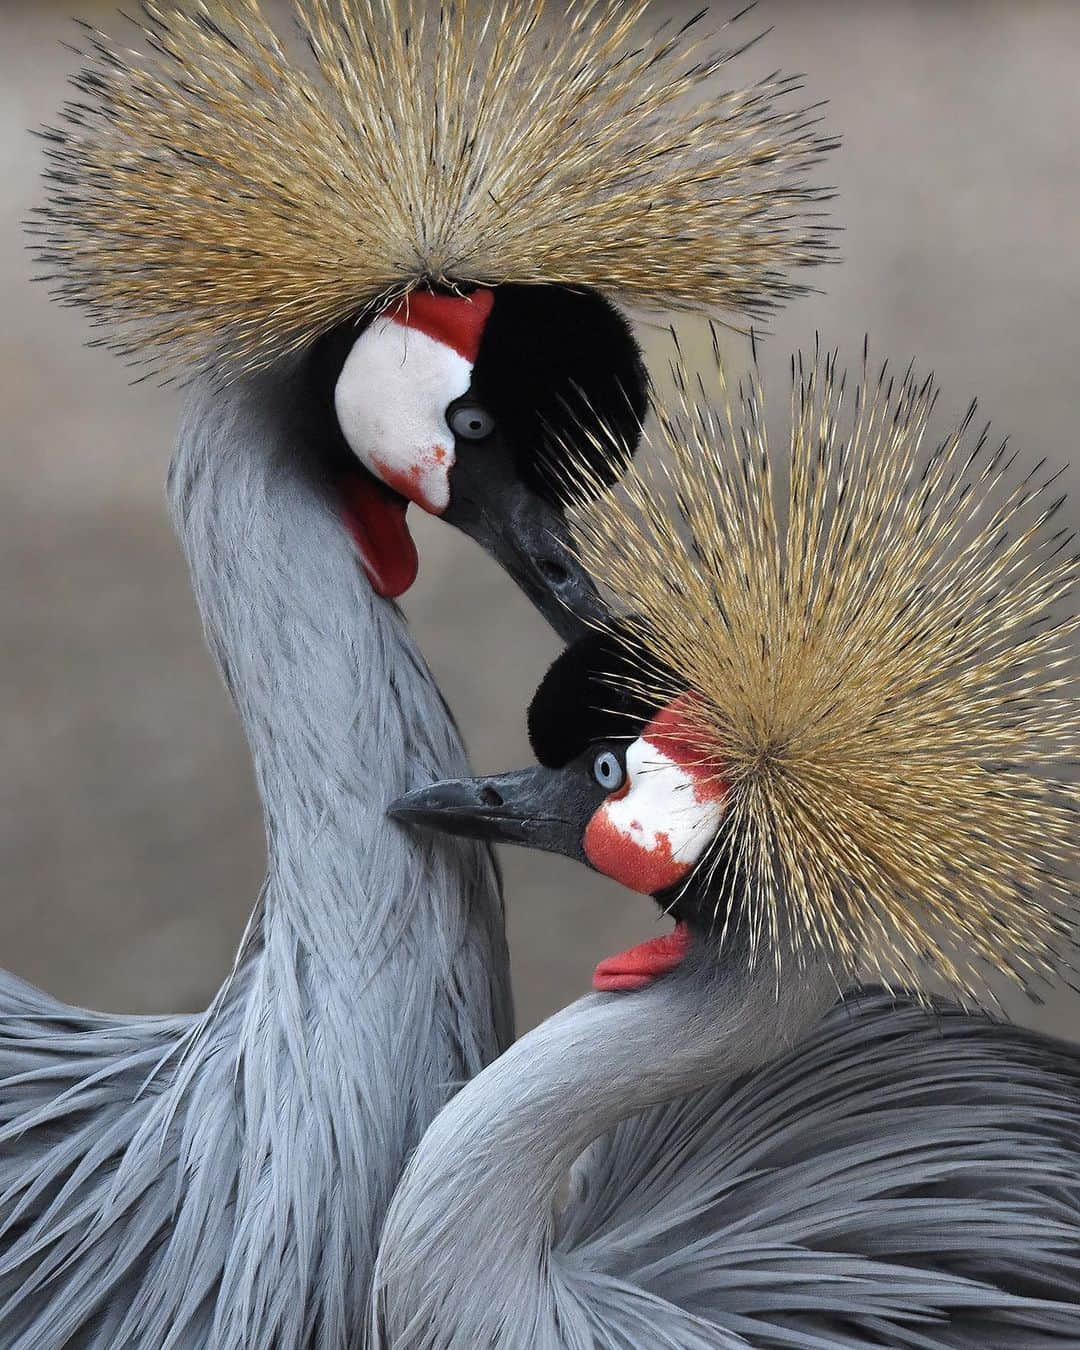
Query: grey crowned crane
{"x": 383, "y": 265}
{"x": 832, "y": 737}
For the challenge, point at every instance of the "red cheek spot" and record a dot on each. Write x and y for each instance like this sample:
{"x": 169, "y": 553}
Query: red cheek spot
{"x": 403, "y": 481}
{"x": 641, "y": 965}
{"x": 409, "y": 482}
{"x": 614, "y": 853}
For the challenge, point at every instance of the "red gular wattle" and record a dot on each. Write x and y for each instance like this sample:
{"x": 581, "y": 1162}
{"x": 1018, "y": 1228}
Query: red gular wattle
{"x": 375, "y": 516}
{"x": 639, "y": 966}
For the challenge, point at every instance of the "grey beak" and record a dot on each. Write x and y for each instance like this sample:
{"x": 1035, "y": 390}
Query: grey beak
{"x": 527, "y": 537}
{"x": 533, "y": 546}
{"x": 529, "y": 807}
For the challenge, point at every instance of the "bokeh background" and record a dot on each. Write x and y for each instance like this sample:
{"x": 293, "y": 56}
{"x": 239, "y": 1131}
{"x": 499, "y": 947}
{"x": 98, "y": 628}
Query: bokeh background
{"x": 130, "y": 842}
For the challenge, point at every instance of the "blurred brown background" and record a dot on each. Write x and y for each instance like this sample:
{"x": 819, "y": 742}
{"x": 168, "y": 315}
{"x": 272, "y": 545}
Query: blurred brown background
{"x": 130, "y": 844}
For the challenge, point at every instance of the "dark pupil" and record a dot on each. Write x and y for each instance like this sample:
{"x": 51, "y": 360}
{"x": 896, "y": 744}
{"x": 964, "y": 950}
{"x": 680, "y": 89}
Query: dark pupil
{"x": 475, "y": 424}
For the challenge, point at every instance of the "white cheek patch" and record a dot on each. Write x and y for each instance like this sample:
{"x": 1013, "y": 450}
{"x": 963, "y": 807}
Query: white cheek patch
{"x": 664, "y": 812}
{"x": 391, "y": 401}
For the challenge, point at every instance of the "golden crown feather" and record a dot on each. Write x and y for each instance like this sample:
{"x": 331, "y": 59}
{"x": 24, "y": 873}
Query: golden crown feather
{"x": 879, "y": 641}
{"x": 218, "y": 194}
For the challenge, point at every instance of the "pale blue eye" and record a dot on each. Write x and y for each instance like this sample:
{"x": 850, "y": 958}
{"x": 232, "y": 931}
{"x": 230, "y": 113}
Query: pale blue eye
{"x": 471, "y": 422}
{"x": 608, "y": 772}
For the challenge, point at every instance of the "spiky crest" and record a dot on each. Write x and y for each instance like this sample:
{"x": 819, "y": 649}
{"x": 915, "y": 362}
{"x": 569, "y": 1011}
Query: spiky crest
{"x": 220, "y": 196}
{"x": 881, "y": 641}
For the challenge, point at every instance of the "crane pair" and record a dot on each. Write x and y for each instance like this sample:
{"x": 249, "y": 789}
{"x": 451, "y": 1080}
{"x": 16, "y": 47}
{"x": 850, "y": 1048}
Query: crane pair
{"x": 390, "y": 266}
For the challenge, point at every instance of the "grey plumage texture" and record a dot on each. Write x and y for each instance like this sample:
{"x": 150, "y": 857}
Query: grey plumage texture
{"x": 220, "y": 1180}
{"x": 902, "y": 1178}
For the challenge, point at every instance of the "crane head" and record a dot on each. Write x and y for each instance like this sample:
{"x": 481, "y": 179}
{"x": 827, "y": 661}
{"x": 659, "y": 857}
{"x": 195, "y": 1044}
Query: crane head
{"x": 619, "y": 786}
{"x": 850, "y": 673}
{"x": 471, "y": 406}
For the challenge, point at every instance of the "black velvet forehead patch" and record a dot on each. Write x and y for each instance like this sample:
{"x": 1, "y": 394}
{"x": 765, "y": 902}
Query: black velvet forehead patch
{"x": 560, "y": 367}
{"x": 588, "y": 695}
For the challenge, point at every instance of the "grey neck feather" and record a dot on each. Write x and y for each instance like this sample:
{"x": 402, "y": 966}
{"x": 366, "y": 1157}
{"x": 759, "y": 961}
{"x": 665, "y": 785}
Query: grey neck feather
{"x": 481, "y": 1191}
{"x": 373, "y": 978}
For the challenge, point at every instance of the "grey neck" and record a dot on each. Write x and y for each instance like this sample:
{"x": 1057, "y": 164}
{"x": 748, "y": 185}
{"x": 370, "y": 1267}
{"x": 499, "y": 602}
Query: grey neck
{"x": 380, "y": 947}
{"x": 481, "y": 1190}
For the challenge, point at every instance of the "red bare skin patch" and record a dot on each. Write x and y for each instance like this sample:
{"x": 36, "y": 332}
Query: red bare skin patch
{"x": 646, "y": 870}
{"x": 409, "y": 482}
{"x": 375, "y": 517}
{"x": 641, "y": 965}
{"x": 670, "y": 731}
{"x": 457, "y": 321}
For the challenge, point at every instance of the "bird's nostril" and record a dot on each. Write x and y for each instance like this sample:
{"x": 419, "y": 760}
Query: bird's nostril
{"x": 490, "y": 797}
{"x": 554, "y": 572}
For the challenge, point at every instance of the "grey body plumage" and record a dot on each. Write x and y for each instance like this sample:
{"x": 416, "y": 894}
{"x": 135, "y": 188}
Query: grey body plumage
{"x": 901, "y": 1178}
{"x": 219, "y": 1181}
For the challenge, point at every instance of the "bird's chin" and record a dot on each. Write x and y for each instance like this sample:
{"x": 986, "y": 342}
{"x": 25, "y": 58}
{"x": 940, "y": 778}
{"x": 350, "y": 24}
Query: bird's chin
{"x": 375, "y": 516}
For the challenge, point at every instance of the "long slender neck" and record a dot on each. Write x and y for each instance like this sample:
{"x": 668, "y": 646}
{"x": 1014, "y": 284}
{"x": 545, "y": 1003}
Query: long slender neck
{"x": 339, "y": 709}
{"x": 337, "y": 706}
{"x": 481, "y": 1189}
{"x": 375, "y": 975}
